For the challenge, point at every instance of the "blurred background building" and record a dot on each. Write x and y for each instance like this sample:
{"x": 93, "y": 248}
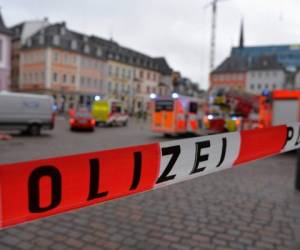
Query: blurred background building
{"x": 74, "y": 68}
{"x": 256, "y": 69}
{"x": 5, "y": 50}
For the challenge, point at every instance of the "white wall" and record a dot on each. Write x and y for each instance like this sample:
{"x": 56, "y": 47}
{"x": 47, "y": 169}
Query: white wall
{"x": 258, "y": 80}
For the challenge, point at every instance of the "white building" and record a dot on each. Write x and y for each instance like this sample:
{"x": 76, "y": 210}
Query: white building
{"x": 264, "y": 73}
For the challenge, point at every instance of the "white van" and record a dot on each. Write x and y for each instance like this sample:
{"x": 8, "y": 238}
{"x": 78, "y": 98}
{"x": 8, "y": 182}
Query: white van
{"x": 26, "y": 112}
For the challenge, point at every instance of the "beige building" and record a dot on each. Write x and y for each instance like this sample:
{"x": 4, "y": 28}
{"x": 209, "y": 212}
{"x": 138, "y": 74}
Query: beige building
{"x": 74, "y": 68}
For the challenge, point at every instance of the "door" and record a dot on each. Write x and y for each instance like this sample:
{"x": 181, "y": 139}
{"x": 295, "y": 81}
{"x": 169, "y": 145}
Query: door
{"x": 164, "y": 115}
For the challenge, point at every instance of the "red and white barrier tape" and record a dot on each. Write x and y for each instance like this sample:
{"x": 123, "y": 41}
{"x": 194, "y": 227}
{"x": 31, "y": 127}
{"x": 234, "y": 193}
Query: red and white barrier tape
{"x": 37, "y": 189}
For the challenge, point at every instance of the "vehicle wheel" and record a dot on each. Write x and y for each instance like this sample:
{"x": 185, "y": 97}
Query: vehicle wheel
{"x": 34, "y": 129}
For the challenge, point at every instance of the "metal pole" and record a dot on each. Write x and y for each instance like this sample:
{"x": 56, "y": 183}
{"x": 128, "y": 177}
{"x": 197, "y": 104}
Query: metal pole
{"x": 297, "y": 180}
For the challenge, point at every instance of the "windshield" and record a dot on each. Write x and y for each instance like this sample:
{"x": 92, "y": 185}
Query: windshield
{"x": 164, "y": 105}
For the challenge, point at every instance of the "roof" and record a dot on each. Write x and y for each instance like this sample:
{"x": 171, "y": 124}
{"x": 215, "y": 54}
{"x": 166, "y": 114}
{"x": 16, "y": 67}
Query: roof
{"x": 59, "y": 36}
{"x": 163, "y": 65}
{"x": 232, "y": 64}
{"x": 236, "y": 64}
{"x": 3, "y": 28}
{"x": 265, "y": 62}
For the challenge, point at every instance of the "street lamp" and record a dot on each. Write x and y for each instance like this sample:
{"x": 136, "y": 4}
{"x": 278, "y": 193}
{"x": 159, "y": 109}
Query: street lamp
{"x": 153, "y": 96}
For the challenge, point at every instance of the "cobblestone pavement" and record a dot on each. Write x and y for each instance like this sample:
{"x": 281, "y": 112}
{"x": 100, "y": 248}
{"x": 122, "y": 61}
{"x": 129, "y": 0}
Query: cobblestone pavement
{"x": 252, "y": 207}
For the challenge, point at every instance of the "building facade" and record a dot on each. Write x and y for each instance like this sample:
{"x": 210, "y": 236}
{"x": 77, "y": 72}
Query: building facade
{"x": 258, "y": 68}
{"x": 231, "y": 74}
{"x": 5, "y": 50}
{"x": 265, "y": 73}
{"x": 20, "y": 33}
{"x": 74, "y": 68}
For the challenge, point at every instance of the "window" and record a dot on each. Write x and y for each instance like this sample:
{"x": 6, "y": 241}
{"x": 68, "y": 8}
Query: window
{"x": 148, "y": 90}
{"x": 66, "y": 59}
{"x": 64, "y": 78}
{"x": 154, "y": 77}
{"x": 123, "y": 73}
{"x": 109, "y": 86}
{"x": 141, "y": 73}
{"x": 164, "y": 105}
{"x": 148, "y": 75}
{"x": 109, "y": 70}
{"x": 36, "y": 76}
{"x": 73, "y": 45}
{"x": 55, "y": 56}
{"x": 56, "y": 40}
{"x": 42, "y": 76}
{"x": 193, "y": 107}
{"x": 274, "y": 86}
{"x": 117, "y": 71}
{"x": 73, "y": 79}
{"x": 252, "y": 86}
{"x": 259, "y": 86}
{"x": 54, "y": 77}
{"x": 138, "y": 88}
{"x": 129, "y": 74}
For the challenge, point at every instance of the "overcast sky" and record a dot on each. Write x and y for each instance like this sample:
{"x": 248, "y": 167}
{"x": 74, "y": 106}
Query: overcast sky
{"x": 177, "y": 29}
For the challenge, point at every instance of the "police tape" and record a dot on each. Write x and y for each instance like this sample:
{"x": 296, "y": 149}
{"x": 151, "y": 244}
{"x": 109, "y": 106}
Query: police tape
{"x": 40, "y": 188}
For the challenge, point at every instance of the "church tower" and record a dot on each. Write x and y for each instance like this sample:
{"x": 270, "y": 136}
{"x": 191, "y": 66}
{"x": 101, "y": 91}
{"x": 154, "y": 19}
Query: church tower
{"x": 241, "y": 45}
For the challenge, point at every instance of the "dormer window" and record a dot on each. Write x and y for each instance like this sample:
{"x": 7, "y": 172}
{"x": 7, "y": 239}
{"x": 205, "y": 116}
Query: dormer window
{"x": 74, "y": 45}
{"x": 29, "y": 42}
{"x": 56, "y": 40}
{"x": 41, "y": 39}
{"x": 63, "y": 30}
{"x": 99, "y": 52}
{"x": 86, "y": 49}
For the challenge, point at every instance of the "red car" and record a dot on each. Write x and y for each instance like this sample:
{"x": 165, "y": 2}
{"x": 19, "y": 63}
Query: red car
{"x": 82, "y": 120}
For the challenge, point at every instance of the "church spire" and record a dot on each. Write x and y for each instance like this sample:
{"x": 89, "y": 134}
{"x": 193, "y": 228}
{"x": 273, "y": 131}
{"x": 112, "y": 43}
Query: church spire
{"x": 241, "y": 45}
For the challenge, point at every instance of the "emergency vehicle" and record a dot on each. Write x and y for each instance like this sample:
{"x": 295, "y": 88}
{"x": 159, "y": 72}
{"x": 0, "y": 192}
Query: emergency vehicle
{"x": 175, "y": 115}
{"x": 109, "y": 112}
{"x": 231, "y": 111}
{"x": 279, "y": 107}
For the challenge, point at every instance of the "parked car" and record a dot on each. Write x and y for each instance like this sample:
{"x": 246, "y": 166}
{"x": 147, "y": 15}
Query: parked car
{"x": 29, "y": 113}
{"x": 82, "y": 120}
{"x": 109, "y": 112}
